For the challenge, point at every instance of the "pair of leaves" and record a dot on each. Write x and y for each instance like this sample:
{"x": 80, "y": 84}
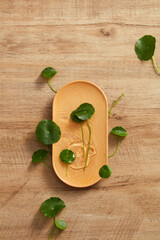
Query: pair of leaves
{"x": 47, "y": 132}
{"x": 51, "y": 207}
{"x": 105, "y": 171}
{"x": 83, "y": 112}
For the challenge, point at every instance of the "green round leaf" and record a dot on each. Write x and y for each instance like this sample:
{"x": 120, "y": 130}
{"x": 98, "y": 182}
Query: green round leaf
{"x": 48, "y": 72}
{"x": 145, "y": 47}
{"x": 84, "y": 111}
{"x": 67, "y": 156}
{"x": 105, "y": 171}
{"x": 61, "y": 224}
{"x": 48, "y": 132}
{"x": 39, "y": 155}
{"x": 74, "y": 118}
{"x": 119, "y": 131}
{"x": 52, "y": 206}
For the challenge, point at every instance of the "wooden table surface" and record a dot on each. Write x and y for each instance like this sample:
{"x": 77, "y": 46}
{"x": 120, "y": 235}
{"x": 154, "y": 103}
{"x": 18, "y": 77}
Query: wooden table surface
{"x": 91, "y": 40}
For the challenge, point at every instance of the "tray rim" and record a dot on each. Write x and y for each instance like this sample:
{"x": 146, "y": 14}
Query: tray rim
{"x": 106, "y": 101}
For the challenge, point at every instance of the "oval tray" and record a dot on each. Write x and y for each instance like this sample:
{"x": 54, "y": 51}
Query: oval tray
{"x": 68, "y": 98}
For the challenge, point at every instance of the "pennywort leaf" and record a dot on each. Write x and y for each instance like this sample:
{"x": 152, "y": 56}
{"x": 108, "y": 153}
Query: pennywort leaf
{"x": 119, "y": 131}
{"x": 67, "y": 156}
{"x": 48, "y": 72}
{"x": 39, "y": 155}
{"x": 84, "y": 111}
{"x": 74, "y": 118}
{"x": 60, "y": 224}
{"x": 48, "y": 132}
{"x": 52, "y": 206}
{"x": 145, "y": 47}
{"x": 105, "y": 171}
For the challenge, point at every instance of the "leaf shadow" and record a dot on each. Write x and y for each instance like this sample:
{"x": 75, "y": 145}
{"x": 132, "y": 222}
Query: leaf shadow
{"x": 39, "y": 222}
{"x": 41, "y": 81}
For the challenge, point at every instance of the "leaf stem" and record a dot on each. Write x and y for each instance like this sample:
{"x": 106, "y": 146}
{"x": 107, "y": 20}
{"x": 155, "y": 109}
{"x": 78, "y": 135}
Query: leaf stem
{"x": 51, "y": 232}
{"x": 114, "y": 103}
{"x": 58, "y": 232}
{"x": 66, "y": 169}
{"x": 49, "y": 150}
{"x": 116, "y": 149}
{"x": 89, "y": 142}
{"x": 47, "y": 165}
{"x": 50, "y": 84}
{"x": 82, "y": 138}
{"x": 155, "y": 66}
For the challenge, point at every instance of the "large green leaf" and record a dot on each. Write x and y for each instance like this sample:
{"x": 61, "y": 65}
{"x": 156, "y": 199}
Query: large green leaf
{"x": 105, "y": 171}
{"x": 48, "y": 132}
{"x": 67, "y": 156}
{"x": 52, "y": 206}
{"x": 84, "y": 111}
{"x": 61, "y": 224}
{"x": 48, "y": 72}
{"x": 119, "y": 131}
{"x": 39, "y": 155}
{"x": 145, "y": 47}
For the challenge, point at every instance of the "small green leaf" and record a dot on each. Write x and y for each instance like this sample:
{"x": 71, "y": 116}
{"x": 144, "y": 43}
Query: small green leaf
{"x": 39, "y": 155}
{"x": 48, "y": 72}
{"x": 61, "y": 224}
{"x": 105, "y": 171}
{"x": 84, "y": 111}
{"x": 67, "y": 156}
{"x": 119, "y": 131}
{"x": 48, "y": 132}
{"x": 74, "y": 118}
{"x": 145, "y": 47}
{"x": 52, "y": 206}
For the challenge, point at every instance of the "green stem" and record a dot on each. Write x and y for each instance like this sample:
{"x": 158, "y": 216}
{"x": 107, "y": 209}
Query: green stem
{"x": 82, "y": 138}
{"x": 58, "y": 232}
{"x": 89, "y": 142}
{"x": 114, "y": 103}
{"x": 51, "y": 232}
{"x": 50, "y": 152}
{"x": 66, "y": 169}
{"x": 47, "y": 165}
{"x": 115, "y": 150}
{"x": 50, "y": 84}
{"x": 155, "y": 65}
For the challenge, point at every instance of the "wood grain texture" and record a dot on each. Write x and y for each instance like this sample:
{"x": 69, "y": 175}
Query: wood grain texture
{"x": 82, "y": 39}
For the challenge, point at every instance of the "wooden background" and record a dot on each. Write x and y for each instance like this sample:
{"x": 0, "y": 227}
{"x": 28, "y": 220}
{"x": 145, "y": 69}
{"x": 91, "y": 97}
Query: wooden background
{"x": 91, "y": 40}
